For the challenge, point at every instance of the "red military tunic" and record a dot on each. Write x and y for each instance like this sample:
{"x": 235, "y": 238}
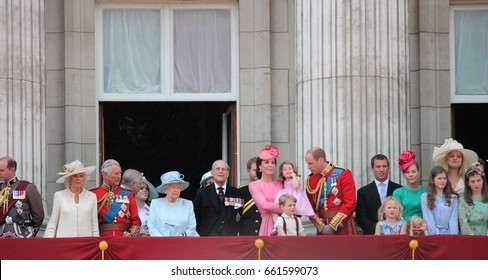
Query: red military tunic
{"x": 127, "y": 217}
{"x": 339, "y": 206}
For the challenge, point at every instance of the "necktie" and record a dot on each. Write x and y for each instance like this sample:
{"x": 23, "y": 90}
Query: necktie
{"x": 221, "y": 193}
{"x": 382, "y": 191}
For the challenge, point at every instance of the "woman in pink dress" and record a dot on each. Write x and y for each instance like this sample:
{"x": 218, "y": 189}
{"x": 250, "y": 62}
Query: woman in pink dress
{"x": 265, "y": 189}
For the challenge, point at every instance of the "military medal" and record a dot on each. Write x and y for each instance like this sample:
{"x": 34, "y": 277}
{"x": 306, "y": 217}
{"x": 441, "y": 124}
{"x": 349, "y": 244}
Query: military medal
{"x": 18, "y": 194}
{"x": 122, "y": 198}
{"x": 18, "y": 206}
{"x": 335, "y": 191}
{"x": 337, "y": 201}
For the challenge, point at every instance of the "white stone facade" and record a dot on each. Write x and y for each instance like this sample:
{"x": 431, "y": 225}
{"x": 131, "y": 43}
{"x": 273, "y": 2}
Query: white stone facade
{"x": 356, "y": 77}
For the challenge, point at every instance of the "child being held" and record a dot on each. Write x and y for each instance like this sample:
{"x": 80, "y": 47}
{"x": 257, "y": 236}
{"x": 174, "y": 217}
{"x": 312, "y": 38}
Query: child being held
{"x": 390, "y": 219}
{"x": 288, "y": 223}
{"x": 292, "y": 185}
{"x": 417, "y": 227}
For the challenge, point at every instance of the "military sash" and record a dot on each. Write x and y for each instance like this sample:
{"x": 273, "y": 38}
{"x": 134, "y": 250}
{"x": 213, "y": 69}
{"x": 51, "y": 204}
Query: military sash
{"x": 115, "y": 208}
{"x": 331, "y": 182}
{"x": 10, "y": 201}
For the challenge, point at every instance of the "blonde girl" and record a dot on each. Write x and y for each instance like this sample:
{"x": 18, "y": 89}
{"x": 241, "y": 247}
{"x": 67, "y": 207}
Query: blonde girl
{"x": 390, "y": 219}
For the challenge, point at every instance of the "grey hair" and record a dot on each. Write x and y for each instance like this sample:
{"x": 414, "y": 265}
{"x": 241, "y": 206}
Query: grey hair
{"x": 129, "y": 176}
{"x": 107, "y": 165}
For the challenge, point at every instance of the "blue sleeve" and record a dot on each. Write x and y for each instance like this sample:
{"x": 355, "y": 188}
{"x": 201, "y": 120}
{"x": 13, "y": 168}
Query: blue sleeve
{"x": 428, "y": 216}
{"x": 152, "y": 222}
{"x": 191, "y": 229}
{"x": 454, "y": 222}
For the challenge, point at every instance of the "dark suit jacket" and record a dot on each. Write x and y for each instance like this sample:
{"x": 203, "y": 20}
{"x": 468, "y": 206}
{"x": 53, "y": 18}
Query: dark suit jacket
{"x": 251, "y": 220}
{"x": 213, "y": 217}
{"x": 368, "y": 203}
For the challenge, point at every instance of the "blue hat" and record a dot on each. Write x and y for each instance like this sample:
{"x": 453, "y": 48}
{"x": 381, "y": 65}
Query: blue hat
{"x": 172, "y": 177}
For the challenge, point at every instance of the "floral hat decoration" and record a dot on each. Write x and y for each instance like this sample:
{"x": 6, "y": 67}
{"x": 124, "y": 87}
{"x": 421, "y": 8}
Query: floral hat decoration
{"x": 269, "y": 152}
{"x": 476, "y": 167}
{"x": 440, "y": 153}
{"x": 406, "y": 159}
{"x": 76, "y": 167}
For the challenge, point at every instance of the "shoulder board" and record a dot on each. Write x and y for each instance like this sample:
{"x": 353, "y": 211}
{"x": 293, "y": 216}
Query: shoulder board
{"x": 340, "y": 167}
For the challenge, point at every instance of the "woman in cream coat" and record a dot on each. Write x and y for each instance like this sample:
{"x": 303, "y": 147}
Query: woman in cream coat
{"x": 75, "y": 209}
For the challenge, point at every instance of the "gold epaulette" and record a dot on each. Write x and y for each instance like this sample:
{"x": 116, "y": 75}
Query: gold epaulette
{"x": 336, "y": 222}
{"x": 242, "y": 186}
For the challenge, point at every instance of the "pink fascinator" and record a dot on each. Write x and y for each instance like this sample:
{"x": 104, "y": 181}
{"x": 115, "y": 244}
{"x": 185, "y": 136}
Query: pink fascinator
{"x": 269, "y": 152}
{"x": 406, "y": 159}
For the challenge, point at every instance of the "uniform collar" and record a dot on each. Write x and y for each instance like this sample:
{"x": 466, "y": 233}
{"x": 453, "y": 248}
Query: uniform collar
{"x": 9, "y": 182}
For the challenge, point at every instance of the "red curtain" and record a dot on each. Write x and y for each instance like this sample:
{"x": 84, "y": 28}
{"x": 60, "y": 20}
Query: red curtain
{"x": 361, "y": 247}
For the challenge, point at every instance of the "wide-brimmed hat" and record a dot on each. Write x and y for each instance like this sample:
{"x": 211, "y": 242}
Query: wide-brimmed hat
{"x": 205, "y": 177}
{"x": 172, "y": 177}
{"x": 440, "y": 153}
{"x": 153, "y": 194}
{"x": 76, "y": 167}
{"x": 268, "y": 153}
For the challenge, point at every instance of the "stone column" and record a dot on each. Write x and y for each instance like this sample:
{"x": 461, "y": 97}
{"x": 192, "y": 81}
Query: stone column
{"x": 353, "y": 82}
{"x": 23, "y": 87}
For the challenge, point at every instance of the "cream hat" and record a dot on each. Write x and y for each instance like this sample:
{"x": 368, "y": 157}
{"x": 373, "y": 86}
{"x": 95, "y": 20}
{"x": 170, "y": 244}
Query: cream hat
{"x": 440, "y": 153}
{"x": 76, "y": 167}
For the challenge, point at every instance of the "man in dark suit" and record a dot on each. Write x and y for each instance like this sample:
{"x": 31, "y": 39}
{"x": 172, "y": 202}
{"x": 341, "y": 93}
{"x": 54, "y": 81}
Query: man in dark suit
{"x": 369, "y": 197}
{"x": 218, "y": 207}
{"x": 251, "y": 218}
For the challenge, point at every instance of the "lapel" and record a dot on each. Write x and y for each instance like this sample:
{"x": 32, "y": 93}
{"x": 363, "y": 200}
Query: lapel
{"x": 391, "y": 188}
{"x": 214, "y": 198}
{"x": 375, "y": 194}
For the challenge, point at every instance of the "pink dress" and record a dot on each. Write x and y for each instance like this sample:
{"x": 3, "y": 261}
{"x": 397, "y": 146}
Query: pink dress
{"x": 264, "y": 195}
{"x": 303, "y": 204}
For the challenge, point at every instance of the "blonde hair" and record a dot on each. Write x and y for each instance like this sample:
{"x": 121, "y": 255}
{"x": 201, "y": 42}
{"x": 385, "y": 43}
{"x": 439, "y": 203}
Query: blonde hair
{"x": 285, "y": 197}
{"x": 67, "y": 181}
{"x": 381, "y": 210}
{"x": 415, "y": 220}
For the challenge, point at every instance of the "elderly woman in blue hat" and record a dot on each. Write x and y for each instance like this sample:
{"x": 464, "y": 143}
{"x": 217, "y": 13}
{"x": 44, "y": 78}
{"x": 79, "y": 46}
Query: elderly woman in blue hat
{"x": 172, "y": 215}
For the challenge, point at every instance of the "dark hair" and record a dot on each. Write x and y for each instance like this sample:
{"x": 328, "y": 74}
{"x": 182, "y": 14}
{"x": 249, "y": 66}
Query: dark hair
{"x": 431, "y": 190}
{"x": 250, "y": 162}
{"x": 468, "y": 192}
{"x": 379, "y": 157}
{"x": 258, "y": 170}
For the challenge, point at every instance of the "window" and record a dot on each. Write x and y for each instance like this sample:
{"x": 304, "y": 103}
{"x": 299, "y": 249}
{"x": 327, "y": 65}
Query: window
{"x": 469, "y": 55}
{"x": 167, "y": 53}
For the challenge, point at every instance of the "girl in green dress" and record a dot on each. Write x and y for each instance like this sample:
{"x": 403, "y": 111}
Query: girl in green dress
{"x": 473, "y": 206}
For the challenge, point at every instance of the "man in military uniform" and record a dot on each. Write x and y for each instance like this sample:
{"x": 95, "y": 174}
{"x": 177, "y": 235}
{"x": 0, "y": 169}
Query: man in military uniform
{"x": 332, "y": 193}
{"x": 21, "y": 212}
{"x": 117, "y": 208}
{"x": 250, "y": 218}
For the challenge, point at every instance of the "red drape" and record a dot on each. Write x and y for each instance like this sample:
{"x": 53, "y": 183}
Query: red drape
{"x": 446, "y": 247}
